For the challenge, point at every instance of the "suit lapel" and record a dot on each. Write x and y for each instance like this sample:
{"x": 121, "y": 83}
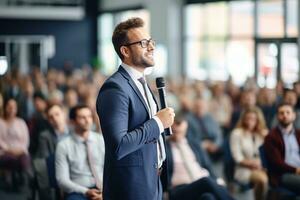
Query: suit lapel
{"x": 133, "y": 86}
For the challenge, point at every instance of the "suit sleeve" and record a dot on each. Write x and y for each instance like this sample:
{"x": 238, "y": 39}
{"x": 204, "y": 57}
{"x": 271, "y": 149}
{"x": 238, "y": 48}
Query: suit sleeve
{"x": 42, "y": 150}
{"x": 113, "y": 109}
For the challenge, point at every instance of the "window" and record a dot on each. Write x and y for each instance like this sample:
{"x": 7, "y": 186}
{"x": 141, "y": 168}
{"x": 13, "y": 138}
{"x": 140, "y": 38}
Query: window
{"x": 270, "y": 18}
{"x": 219, "y": 45}
{"x": 223, "y": 39}
{"x": 292, "y": 18}
{"x": 289, "y": 63}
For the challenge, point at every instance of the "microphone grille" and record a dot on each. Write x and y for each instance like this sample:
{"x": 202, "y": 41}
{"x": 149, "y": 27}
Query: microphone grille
{"x": 160, "y": 82}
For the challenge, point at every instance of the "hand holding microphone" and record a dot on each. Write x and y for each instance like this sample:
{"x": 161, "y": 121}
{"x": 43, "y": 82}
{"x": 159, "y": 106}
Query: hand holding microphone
{"x": 166, "y": 115}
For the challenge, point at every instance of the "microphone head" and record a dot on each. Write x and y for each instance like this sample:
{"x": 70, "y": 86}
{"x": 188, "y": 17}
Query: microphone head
{"x": 160, "y": 82}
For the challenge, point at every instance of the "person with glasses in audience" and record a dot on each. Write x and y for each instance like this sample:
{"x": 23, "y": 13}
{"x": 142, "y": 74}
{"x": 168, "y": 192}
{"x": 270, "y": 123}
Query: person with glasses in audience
{"x": 131, "y": 126}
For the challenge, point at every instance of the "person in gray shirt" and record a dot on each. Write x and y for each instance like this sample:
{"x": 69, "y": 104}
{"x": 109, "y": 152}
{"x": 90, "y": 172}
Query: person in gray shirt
{"x": 47, "y": 143}
{"x": 79, "y": 158}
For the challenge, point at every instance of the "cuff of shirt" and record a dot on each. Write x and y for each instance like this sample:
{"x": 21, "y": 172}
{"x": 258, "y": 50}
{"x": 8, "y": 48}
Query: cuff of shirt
{"x": 159, "y": 123}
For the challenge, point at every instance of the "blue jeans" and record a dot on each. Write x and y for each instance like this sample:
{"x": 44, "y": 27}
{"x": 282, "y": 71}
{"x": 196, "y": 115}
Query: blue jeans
{"x": 76, "y": 196}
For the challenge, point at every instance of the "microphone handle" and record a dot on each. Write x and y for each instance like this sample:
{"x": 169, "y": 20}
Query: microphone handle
{"x": 163, "y": 103}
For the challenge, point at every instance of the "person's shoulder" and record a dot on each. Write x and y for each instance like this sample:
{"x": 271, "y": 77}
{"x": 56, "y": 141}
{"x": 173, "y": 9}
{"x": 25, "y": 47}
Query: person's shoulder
{"x": 115, "y": 79}
{"x": 65, "y": 141}
{"x": 97, "y": 136}
{"x": 20, "y": 121}
{"x": 297, "y": 131}
{"x": 273, "y": 133}
{"x": 46, "y": 133}
{"x": 237, "y": 132}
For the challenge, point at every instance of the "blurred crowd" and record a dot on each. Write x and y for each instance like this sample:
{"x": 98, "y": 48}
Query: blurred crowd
{"x": 227, "y": 121}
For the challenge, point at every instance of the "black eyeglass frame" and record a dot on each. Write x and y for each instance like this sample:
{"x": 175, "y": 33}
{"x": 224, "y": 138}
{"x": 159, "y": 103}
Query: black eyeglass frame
{"x": 144, "y": 43}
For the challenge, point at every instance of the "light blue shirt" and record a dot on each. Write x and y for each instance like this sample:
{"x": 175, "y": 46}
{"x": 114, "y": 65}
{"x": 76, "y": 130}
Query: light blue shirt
{"x": 292, "y": 156}
{"x": 73, "y": 172}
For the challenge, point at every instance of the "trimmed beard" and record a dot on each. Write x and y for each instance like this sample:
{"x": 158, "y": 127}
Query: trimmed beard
{"x": 285, "y": 124}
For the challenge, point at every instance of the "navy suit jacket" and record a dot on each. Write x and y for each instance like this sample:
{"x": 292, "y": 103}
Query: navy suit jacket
{"x": 130, "y": 168}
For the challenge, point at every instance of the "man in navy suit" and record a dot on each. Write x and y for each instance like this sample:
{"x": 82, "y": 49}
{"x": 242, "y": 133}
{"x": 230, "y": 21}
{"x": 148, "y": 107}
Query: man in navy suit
{"x": 131, "y": 126}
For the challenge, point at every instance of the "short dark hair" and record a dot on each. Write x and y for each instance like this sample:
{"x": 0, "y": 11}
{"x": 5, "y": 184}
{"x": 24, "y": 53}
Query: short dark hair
{"x": 73, "y": 111}
{"x": 119, "y": 37}
{"x": 285, "y": 104}
{"x": 40, "y": 95}
{"x": 51, "y": 105}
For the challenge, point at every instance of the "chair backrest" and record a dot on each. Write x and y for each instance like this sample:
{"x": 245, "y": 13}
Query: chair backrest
{"x": 263, "y": 158}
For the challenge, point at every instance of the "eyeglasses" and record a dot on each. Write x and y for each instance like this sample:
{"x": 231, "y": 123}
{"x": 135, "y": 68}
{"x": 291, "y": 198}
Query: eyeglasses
{"x": 144, "y": 43}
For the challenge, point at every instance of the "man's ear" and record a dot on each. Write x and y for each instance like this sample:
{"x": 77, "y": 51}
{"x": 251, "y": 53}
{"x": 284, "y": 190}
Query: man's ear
{"x": 125, "y": 51}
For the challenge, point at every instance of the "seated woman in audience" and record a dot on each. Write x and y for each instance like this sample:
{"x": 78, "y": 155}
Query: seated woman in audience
{"x": 245, "y": 141}
{"x": 14, "y": 140}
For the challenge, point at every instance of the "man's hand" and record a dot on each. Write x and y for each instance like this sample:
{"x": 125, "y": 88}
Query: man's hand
{"x": 166, "y": 116}
{"x": 209, "y": 146}
{"x": 15, "y": 152}
{"x": 94, "y": 194}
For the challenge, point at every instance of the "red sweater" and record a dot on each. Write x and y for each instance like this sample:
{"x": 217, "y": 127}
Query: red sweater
{"x": 275, "y": 155}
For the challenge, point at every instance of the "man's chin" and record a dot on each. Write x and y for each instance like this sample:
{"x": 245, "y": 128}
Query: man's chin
{"x": 285, "y": 124}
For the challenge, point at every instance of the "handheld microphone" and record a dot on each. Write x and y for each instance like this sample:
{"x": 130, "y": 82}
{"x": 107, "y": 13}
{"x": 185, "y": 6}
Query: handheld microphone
{"x": 160, "y": 84}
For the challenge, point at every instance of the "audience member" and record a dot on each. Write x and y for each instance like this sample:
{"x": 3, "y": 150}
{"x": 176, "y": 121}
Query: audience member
{"x": 205, "y": 129}
{"x": 221, "y": 106}
{"x": 289, "y": 97}
{"x": 79, "y": 158}
{"x": 266, "y": 100}
{"x": 190, "y": 174}
{"x": 38, "y": 122}
{"x": 282, "y": 147}
{"x": 247, "y": 100}
{"x": 47, "y": 143}
{"x": 57, "y": 130}
{"x": 14, "y": 137}
{"x": 245, "y": 141}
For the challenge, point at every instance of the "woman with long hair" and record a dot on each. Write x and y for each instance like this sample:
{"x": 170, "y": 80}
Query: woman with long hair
{"x": 245, "y": 141}
{"x": 14, "y": 137}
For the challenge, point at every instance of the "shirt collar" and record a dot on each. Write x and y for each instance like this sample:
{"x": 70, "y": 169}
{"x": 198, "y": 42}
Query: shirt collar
{"x": 79, "y": 139}
{"x": 283, "y": 132}
{"x": 134, "y": 74}
{"x": 66, "y": 131}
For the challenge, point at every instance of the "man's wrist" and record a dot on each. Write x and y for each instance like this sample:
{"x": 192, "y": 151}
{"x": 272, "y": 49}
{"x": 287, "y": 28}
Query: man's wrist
{"x": 159, "y": 123}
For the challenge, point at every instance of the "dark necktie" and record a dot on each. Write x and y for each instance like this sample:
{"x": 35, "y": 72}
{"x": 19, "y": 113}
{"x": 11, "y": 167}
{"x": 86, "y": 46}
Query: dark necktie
{"x": 162, "y": 154}
{"x": 144, "y": 84}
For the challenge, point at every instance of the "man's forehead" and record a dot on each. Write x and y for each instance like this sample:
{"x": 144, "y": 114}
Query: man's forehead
{"x": 139, "y": 33}
{"x": 285, "y": 108}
